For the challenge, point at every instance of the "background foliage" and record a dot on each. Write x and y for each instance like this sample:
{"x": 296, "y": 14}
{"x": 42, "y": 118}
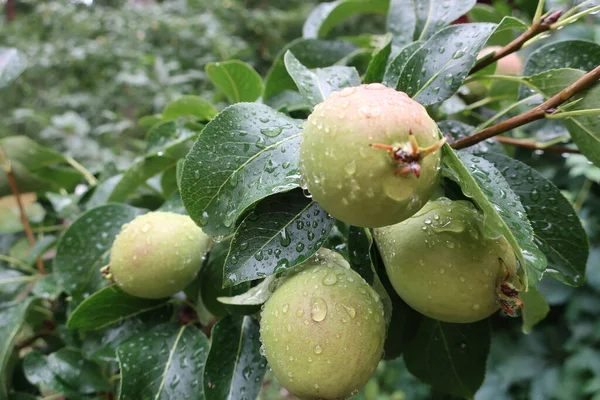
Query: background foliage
{"x": 98, "y": 77}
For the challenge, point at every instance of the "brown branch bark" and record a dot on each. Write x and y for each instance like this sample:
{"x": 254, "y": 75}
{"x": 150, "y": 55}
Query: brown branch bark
{"x": 15, "y": 190}
{"x": 10, "y": 10}
{"x": 515, "y": 45}
{"x": 530, "y": 144}
{"x": 536, "y": 113}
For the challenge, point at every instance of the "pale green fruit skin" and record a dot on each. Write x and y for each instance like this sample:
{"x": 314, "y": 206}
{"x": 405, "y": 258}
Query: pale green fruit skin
{"x": 157, "y": 254}
{"x": 354, "y": 182}
{"x": 323, "y": 355}
{"x": 442, "y": 265}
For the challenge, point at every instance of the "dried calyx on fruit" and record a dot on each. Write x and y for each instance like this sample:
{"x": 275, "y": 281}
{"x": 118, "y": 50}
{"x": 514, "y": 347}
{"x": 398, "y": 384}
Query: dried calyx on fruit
{"x": 157, "y": 254}
{"x": 441, "y": 263}
{"x": 323, "y": 329}
{"x": 370, "y": 156}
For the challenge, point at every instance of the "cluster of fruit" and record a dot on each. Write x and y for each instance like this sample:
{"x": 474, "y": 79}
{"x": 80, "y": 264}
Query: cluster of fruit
{"x": 371, "y": 157}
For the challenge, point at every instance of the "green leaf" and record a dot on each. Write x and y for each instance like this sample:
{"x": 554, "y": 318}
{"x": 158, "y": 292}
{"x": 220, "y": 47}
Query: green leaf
{"x": 391, "y": 77}
{"x": 12, "y": 64}
{"x": 12, "y": 282}
{"x": 359, "y": 248}
{"x": 189, "y": 106}
{"x": 254, "y": 296}
{"x": 36, "y": 368}
{"x": 402, "y": 21}
{"x": 47, "y": 288}
{"x": 109, "y": 306}
{"x": 439, "y": 67}
{"x": 282, "y": 232}
{"x": 85, "y": 245}
{"x": 33, "y": 166}
{"x": 235, "y": 368}
{"x": 584, "y": 129}
{"x": 165, "y": 135}
{"x": 575, "y": 54}
{"x": 312, "y": 53}
{"x": 450, "y": 357}
{"x": 142, "y": 170}
{"x": 502, "y": 210}
{"x": 238, "y": 80}
{"x": 69, "y": 366}
{"x": 211, "y": 281}
{"x": 163, "y": 363}
{"x": 486, "y": 13}
{"x": 317, "y": 86}
{"x": 556, "y": 227}
{"x": 257, "y": 152}
{"x": 12, "y": 316}
{"x": 459, "y": 130}
{"x": 327, "y": 15}
{"x": 433, "y": 15}
{"x": 10, "y": 216}
{"x": 377, "y": 65}
{"x": 535, "y": 308}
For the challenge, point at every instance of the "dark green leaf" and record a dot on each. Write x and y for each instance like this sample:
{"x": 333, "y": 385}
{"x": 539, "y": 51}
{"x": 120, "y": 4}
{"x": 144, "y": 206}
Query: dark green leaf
{"x": 584, "y": 129}
{"x": 12, "y": 282}
{"x": 556, "y": 227}
{"x": 37, "y": 371}
{"x": 436, "y": 14}
{"x": 450, "y": 357}
{"x": 173, "y": 204}
{"x": 47, "y": 288}
{"x": 359, "y": 247}
{"x": 575, "y": 54}
{"x": 312, "y": 53}
{"x": 165, "y": 135}
{"x": 164, "y": 363}
{"x": 239, "y": 81}
{"x": 535, "y": 308}
{"x": 315, "y": 86}
{"x": 394, "y": 69}
{"x": 69, "y": 366}
{"x": 503, "y": 212}
{"x": 235, "y": 368}
{"x": 282, "y": 232}
{"x": 109, "y": 306}
{"x": 439, "y": 67}
{"x": 327, "y": 15}
{"x": 84, "y": 247}
{"x": 459, "y": 130}
{"x": 189, "y": 106}
{"x": 257, "y": 152}
{"x": 12, "y": 64}
{"x": 12, "y": 316}
{"x": 402, "y": 21}
{"x": 379, "y": 59}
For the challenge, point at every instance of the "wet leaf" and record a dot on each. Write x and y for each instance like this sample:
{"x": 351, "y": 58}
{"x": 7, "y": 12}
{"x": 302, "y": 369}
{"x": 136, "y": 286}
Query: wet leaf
{"x": 377, "y": 65}
{"x": 315, "y": 86}
{"x": 69, "y": 366}
{"x": 436, "y": 14}
{"x": 502, "y": 209}
{"x": 256, "y": 148}
{"x": 584, "y": 129}
{"x": 238, "y": 80}
{"x": 312, "y": 53}
{"x": 402, "y": 21}
{"x": 392, "y": 74}
{"x": 556, "y": 226}
{"x": 359, "y": 247}
{"x": 450, "y": 357}
{"x": 37, "y": 371}
{"x": 459, "y": 130}
{"x": 189, "y": 106}
{"x": 12, "y": 316}
{"x": 281, "y": 232}
{"x": 436, "y": 71}
{"x": 12, "y": 64}
{"x": 164, "y": 363}
{"x": 327, "y": 15}
{"x": 85, "y": 245}
{"x": 257, "y": 295}
{"x": 535, "y": 308}
{"x": 575, "y": 54}
{"x": 109, "y": 306}
{"x": 164, "y": 135}
{"x": 235, "y": 368}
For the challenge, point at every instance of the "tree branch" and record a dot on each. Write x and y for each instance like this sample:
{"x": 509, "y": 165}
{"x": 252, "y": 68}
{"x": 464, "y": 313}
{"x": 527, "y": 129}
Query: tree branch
{"x": 536, "y": 113}
{"x": 530, "y": 144}
{"x": 15, "y": 190}
{"x": 537, "y": 28}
